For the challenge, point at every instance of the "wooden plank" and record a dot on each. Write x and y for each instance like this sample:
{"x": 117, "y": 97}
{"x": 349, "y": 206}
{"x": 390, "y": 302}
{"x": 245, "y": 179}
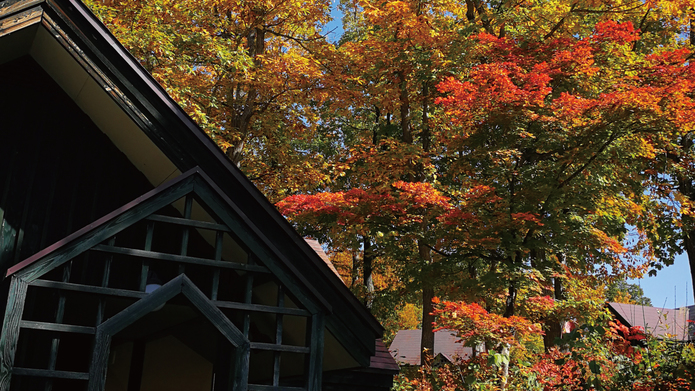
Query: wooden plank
{"x": 10, "y": 330}
{"x": 314, "y": 362}
{"x": 50, "y": 373}
{"x": 219, "y": 236}
{"x": 142, "y": 307}
{"x": 259, "y": 387}
{"x": 185, "y": 235}
{"x": 253, "y": 239}
{"x": 261, "y": 308}
{"x": 100, "y": 358}
{"x": 88, "y": 289}
{"x": 63, "y": 328}
{"x": 279, "y": 348}
{"x": 11, "y": 6}
{"x": 145, "y": 270}
{"x": 55, "y": 342}
{"x": 278, "y": 337}
{"x": 241, "y": 367}
{"x": 189, "y": 223}
{"x": 101, "y": 310}
{"x": 214, "y": 315}
{"x": 20, "y": 20}
{"x": 105, "y": 227}
{"x": 248, "y": 296}
{"x": 179, "y": 258}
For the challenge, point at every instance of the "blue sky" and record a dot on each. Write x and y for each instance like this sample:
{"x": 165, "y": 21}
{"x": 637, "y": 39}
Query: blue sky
{"x": 660, "y": 289}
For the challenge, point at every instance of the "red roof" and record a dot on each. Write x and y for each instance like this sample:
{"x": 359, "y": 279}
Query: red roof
{"x": 405, "y": 348}
{"x": 659, "y": 322}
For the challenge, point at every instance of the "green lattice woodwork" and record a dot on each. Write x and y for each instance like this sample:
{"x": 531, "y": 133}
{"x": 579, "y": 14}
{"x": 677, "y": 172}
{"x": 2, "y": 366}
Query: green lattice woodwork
{"x": 188, "y": 235}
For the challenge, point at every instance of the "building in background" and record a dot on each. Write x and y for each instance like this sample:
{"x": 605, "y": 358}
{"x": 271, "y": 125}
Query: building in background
{"x": 405, "y": 347}
{"x": 676, "y": 324}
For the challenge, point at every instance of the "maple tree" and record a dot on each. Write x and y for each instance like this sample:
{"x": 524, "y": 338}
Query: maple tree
{"x": 494, "y": 152}
{"x": 249, "y": 73}
{"x": 548, "y": 121}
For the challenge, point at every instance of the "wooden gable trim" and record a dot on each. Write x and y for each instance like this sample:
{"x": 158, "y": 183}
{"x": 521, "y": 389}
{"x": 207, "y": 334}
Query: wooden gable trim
{"x": 179, "y": 285}
{"x": 192, "y": 181}
{"x": 12, "y": 6}
{"x": 20, "y": 20}
{"x": 103, "y": 228}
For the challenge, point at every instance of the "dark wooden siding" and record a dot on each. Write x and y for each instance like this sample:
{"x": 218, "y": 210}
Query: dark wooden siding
{"x": 58, "y": 171}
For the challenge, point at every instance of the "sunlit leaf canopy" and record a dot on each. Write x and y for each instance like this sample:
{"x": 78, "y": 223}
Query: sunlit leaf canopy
{"x": 482, "y": 150}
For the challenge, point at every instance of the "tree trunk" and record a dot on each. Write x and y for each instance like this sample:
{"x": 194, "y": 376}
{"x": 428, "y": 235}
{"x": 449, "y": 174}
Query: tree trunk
{"x": 553, "y": 328}
{"x": 244, "y": 101}
{"x": 505, "y": 366}
{"x": 427, "y": 341}
{"x": 687, "y": 188}
{"x": 689, "y": 241}
{"x": 404, "y": 99}
{"x": 367, "y": 268}
{"x": 510, "y": 302}
{"x": 355, "y": 273}
{"x": 426, "y": 133}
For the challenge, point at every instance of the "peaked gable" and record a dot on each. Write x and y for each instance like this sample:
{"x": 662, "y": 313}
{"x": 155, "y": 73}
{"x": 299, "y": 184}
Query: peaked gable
{"x": 180, "y": 285}
{"x": 193, "y": 182}
{"x": 186, "y": 146}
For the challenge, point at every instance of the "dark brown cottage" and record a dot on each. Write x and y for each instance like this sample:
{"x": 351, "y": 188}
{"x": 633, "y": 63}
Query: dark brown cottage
{"x": 135, "y": 255}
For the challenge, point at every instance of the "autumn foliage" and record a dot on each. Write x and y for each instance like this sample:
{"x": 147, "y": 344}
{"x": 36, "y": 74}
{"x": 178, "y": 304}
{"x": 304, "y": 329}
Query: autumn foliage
{"x": 512, "y": 158}
{"x": 601, "y": 355}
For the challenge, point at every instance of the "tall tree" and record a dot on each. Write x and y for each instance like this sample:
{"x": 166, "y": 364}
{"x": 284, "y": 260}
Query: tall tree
{"x": 248, "y": 72}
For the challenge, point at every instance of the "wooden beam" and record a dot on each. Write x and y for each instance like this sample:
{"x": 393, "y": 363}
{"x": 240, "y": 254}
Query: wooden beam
{"x": 20, "y": 20}
{"x": 279, "y": 348}
{"x": 55, "y": 343}
{"x": 100, "y": 359}
{"x": 63, "y": 328}
{"x": 145, "y": 269}
{"x": 10, "y": 329}
{"x": 10, "y": 6}
{"x": 212, "y": 313}
{"x": 259, "y": 387}
{"x": 179, "y": 258}
{"x": 219, "y": 236}
{"x": 88, "y": 289}
{"x": 278, "y": 337}
{"x": 248, "y": 297}
{"x": 107, "y": 226}
{"x": 226, "y": 211}
{"x": 261, "y": 308}
{"x": 106, "y": 275}
{"x": 189, "y": 223}
{"x": 314, "y": 363}
{"x": 51, "y": 373}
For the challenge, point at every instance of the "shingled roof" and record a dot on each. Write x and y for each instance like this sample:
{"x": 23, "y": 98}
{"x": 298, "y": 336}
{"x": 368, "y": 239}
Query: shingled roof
{"x": 659, "y": 322}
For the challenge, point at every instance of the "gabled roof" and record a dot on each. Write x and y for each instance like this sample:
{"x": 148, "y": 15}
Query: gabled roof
{"x": 185, "y": 145}
{"x": 405, "y": 347}
{"x": 659, "y": 322}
